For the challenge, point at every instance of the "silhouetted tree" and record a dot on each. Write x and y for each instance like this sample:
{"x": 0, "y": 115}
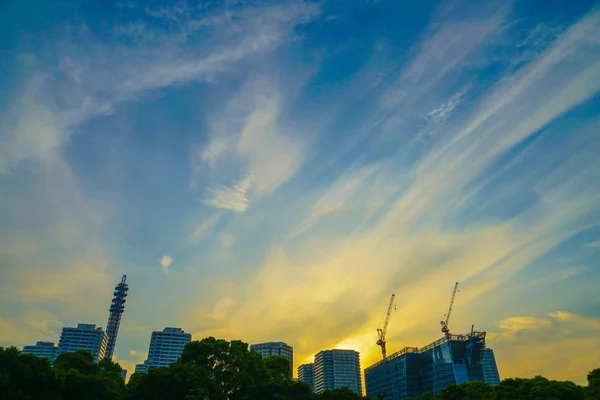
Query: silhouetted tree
{"x": 474, "y": 390}
{"x": 24, "y": 376}
{"x": 592, "y": 391}
{"x": 83, "y": 379}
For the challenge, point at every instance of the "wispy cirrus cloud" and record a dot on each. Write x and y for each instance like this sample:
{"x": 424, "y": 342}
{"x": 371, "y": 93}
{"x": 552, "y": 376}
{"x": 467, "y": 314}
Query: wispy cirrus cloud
{"x": 203, "y": 229}
{"x": 251, "y": 138}
{"x": 89, "y": 71}
{"x": 434, "y": 228}
{"x": 460, "y": 156}
{"x": 96, "y": 77}
{"x": 234, "y": 198}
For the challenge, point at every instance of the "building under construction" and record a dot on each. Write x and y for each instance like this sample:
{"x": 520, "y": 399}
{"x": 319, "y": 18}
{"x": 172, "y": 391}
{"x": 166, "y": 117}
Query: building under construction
{"x": 451, "y": 360}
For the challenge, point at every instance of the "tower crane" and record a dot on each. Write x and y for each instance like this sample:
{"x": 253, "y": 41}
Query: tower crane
{"x": 444, "y": 323}
{"x": 382, "y": 331}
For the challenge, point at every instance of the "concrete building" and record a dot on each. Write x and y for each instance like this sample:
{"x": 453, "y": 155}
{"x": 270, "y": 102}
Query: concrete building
{"x": 275, "y": 349}
{"x": 116, "y": 309}
{"x": 42, "y": 349}
{"x": 335, "y": 369}
{"x": 166, "y": 347}
{"x": 306, "y": 374}
{"x": 490, "y": 368}
{"x": 85, "y": 337}
{"x": 448, "y": 361}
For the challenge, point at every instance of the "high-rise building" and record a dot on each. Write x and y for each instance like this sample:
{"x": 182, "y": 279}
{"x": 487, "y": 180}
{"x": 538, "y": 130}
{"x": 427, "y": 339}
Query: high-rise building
{"x": 490, "y": 368}
{"x": 397, "y": 375}
{"x": 306, "y": 374}
{"x": 275, "y": 349}
{"x": 166, "y": 347}
{"x": 448, "y": 361}
{"x": 334, "y": 369}
{"x": 42, "y": 349}
{"x": 85, "y": 337}
{"x": 114, "y": 318}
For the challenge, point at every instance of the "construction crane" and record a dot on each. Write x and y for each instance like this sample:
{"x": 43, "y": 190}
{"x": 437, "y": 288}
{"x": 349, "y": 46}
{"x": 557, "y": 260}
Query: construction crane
{"x": 444, "y": 323}
{"x": 381, "y": 331}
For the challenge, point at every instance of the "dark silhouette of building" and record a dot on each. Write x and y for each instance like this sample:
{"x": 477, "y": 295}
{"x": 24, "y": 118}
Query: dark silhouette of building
{"x": 114, "y": 319}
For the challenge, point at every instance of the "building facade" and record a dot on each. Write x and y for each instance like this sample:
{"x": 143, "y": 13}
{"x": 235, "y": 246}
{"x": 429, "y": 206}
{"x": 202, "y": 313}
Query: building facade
{"x": 116, "y": 309}
{"x": 451, "y": 360}
{"x": 397, "y": 376}
{"x": 490, "y": 368}
{"x": 85, "y": 337}
{"x": 275, "y": 349}
{"x": 165, "y": 348}
{"x": 306, "y": 374}
{"x": 335, "y": 369}
{"x": 42, "y": 349}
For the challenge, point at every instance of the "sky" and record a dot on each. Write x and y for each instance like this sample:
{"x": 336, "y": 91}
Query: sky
{"x": 274, "y": 170}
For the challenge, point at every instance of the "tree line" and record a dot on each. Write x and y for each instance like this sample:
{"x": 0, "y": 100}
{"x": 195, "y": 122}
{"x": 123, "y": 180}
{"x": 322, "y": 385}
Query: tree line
{"x": 215, "y": 369}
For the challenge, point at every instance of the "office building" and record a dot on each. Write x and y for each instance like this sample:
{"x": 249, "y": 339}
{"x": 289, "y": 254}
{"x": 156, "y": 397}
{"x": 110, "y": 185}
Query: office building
{"x": 124, "y": 374}
{"x": 275, "y": 349}
{"x": 334, "y": 369}
{"x": 397, "y": 375}
{"x": 166, "y": 347}
{"x": 452, "y": 360}
{"x": 42, "y": 349}
{"x": 114, "y": 319}
{"x": 490, "y": 368}
{"x": 306, "y": 374}
{"x": 85, "y": 337}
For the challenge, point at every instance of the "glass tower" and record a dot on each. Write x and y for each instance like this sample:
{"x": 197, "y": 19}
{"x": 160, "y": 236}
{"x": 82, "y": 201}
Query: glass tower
{"x": 451, "y": 360}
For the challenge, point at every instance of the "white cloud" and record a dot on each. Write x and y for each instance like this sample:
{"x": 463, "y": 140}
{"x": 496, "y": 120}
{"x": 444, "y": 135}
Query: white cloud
{"x": 434, "y": 229}
{"x": 132, "y": 352}
{"x": 273, "y": 157}
{"x": 336, "y": 198}
{"x": 234, "y": 198}
{"x": 165, "y": 262}
{"x": 97, "y": 77}
{"x": 203, "y": 229}
{"x": 443, "y": 112}
{"x": 248, "y": 136}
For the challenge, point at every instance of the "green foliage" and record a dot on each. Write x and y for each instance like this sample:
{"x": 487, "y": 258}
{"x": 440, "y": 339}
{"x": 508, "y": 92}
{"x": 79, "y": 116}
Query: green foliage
{"x": 469, "y": 391}
{"x": 82, "y": 378}
{"x": 428, "y": 396}
{"x": 24, "y": 376}
{"x": 538, "y": 388}
{"x": 278, "y": 367}
{"x": 592, "y": 391}
{"x": 339, "y": 394}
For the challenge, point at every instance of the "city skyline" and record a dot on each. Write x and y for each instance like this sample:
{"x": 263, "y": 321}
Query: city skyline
{"x": 274, "y": 170}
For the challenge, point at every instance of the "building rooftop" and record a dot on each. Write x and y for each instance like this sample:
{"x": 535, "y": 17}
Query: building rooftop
{"x": 416, "y": 350}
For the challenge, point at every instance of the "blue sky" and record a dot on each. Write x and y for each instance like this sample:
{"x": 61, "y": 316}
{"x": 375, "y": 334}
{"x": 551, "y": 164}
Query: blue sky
{"x": 274, "y": 170}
